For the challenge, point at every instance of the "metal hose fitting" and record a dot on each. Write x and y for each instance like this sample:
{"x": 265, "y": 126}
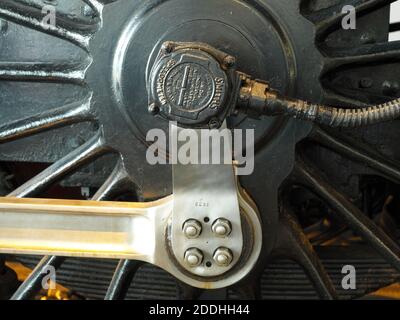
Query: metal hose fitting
{"x": 256, "y": 98}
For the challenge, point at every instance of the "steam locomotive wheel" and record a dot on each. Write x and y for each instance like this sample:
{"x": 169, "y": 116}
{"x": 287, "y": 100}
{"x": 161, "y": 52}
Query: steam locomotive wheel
{"x": 73, "y": 95}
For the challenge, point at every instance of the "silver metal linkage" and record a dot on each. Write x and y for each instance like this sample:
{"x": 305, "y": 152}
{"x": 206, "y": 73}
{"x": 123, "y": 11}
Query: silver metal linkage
{"x": 206, "y": 236}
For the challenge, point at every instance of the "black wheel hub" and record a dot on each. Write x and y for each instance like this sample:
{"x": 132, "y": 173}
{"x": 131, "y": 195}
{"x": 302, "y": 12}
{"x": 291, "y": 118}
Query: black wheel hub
{"x": 126, "y": 47}
{"x": 255, "y": 32}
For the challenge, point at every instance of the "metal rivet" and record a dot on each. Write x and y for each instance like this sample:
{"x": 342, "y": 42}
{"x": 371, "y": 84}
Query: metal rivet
{"x": 229, "y": 61}
{"x": 167, "y": 47}
{"x": 154, "y": 109}
{"x": 214, "y": 124}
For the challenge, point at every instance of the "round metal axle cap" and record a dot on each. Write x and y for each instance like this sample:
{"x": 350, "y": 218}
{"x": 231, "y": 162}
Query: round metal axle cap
{"x": 188, "y": 85}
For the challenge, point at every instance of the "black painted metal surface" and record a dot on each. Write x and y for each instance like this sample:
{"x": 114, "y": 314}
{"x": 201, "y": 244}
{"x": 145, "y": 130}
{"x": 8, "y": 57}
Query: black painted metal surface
{"x": 72, "y": 98}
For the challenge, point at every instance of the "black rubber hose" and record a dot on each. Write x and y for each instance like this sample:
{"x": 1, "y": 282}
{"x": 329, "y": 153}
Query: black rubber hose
{"x": 331, "y": 116}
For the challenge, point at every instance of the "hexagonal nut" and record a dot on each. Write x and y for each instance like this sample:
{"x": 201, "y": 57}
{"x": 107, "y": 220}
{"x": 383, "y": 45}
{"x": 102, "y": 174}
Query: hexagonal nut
{"x": 193, "y": 257}
{"x": 223, "y": 257}
{"x": 167, "y": 47}
{"x": 221, "y": 227}
{"x": 192, "y": 229}
{"x": 229, "y": 61}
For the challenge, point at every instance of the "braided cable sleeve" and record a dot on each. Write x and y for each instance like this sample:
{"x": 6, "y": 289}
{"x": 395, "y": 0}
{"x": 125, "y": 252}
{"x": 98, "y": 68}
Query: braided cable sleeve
{"x": 331, "y": 116}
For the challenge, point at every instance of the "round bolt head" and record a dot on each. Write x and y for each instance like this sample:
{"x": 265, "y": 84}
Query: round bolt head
{"x": 192, "y": 229}
{"x": 229, "y": 61}
{"x": 221, "y": 227}
{"x": 193, "y": 260}
{"x": 214, "y": 124}
{"x": 193, "y": 257}
{"x": 221, "y": 230}
{"x": 167, "y": 47}
{"x": 154, "y": 109}
{"x": 223, "y": 257}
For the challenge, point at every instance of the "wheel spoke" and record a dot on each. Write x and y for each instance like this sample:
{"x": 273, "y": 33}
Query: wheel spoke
{"x": 122, "y": 278}
{"x": 63, "y": 116}
{"x": 75, "y": 31}
{"x": 186, "y": 292}
{"x": 117, "y": 183}
{"x": 126, "y": 268}
{"x": 365, "y": 54}
{"x": 334, "y": 98}
{"x": 356, "y": 220}
{"x": 34, "y": 282}
{"x": 250, "y": 290}
{"x": 329, "y": 19}
{"x": 87, "y": 152}
{"x": 293, "y": 243}
{"x": 358, "y": 153}
{"x": 43, "y": 72}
